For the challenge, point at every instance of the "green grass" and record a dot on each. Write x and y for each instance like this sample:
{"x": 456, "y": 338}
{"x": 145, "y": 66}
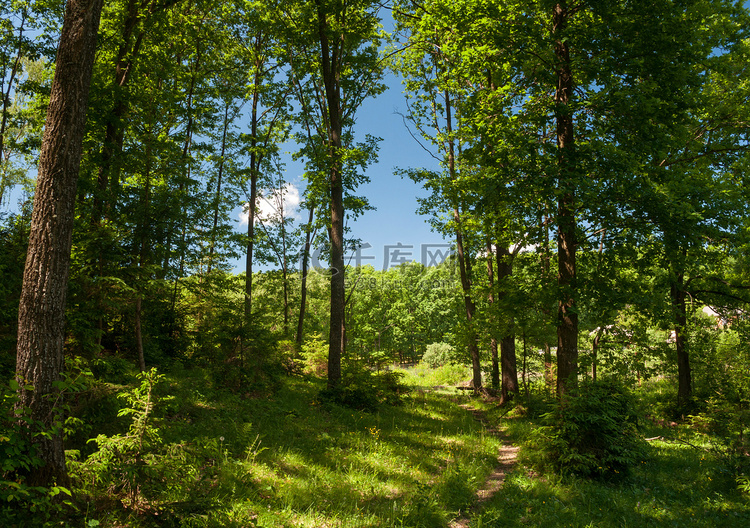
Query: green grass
{"x": 227, "y": 460}
{"x": 675, "y": 485}
{"x": 223, "y": 459}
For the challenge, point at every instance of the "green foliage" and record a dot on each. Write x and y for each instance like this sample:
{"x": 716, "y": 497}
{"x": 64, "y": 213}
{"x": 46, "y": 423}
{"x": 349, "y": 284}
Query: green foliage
{"x": 127, "y": 465}
{"x": 592, "y": 432}
{"x": 365, "y": 390}
{"x": 21, "y": 504}
{"x": 315, "y": 355}
{"x": 439, "y": 354}
{"x": 446, "y": 375}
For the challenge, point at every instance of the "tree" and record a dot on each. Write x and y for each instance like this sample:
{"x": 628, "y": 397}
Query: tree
{"x": 41, "y": 314}
{"x": 24, "y": 77}
{"x": 335, "y": 67}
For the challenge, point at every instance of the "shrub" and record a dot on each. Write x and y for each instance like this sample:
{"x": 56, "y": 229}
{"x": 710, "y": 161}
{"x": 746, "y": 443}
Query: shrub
{"x": 591, "y": 432}
{"x": 315, "y": 356}
{"x": 365, "y": 390}
{"x": 438, "y": 354}
{"x": 21, "y": 504}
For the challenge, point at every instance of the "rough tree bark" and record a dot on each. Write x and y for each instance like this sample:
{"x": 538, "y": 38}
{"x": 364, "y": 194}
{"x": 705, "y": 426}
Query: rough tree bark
{"x": 41, "y": 313}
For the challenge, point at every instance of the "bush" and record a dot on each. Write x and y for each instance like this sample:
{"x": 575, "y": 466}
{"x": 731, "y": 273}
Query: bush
{"x": 591, "y": 432}
{"x": 315, "y": 356}
{"x": 365, "y": 390}
{"x": 20, "y": 503}
{"x": 438, "y": 354}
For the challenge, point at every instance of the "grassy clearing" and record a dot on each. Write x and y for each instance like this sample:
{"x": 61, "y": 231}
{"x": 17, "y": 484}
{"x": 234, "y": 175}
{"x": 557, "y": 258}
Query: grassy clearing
{"x": 289, "y": 461}
{"x": 215, "y": 458}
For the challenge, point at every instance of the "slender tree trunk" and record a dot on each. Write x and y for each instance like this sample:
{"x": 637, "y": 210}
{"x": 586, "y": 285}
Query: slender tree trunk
{"x": 303, "y": 288}
{"x": 41, "y": 313}
{"x": 108, "y": 177}
{"x": 508, "y": 361}
{"x": 255, "y": 160}
{"x": 684, "y": 375}
{"x": 567, "y": 324}
{"x": 549, "y": 379}
{"x": 145, "y": 225}
{"x": 464, "y": 265}
{"x": 109, "y": 168}
{"x": 595, "y": 352}
{"x": 186, "y": 147}
{"x": 217, "y": 196}
{"x": 6, "y": 99}
{"x": 139, "y": 331}
{"x": 493, "y": 319}
{"x": 330, "y": 71}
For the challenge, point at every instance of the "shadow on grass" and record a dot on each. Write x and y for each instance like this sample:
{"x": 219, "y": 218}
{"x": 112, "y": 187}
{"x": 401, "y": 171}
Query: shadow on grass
{"x": 286, "y": 460}
{"x": 675, "y": 485}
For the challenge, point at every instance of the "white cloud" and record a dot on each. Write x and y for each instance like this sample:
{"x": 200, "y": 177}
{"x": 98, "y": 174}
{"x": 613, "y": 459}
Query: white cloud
{"x": 271, "y": 201}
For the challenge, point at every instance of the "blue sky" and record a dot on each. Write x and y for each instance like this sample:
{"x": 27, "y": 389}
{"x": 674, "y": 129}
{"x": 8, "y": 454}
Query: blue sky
{"x": 395, "y": 220}
{"x": 394, "y": 231}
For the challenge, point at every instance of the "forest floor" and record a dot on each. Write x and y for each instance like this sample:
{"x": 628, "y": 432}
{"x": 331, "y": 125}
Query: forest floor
{"x": 214, "y": 458}
{"x": 506, "y": 460}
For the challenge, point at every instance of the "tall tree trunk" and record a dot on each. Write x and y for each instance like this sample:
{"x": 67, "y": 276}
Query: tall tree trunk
{"x": 331, "y": 70}
{"x": 595, "y": 352}
{"x": 7, "y": 101}
{"x": 139, "y": 331}
{"x": 108, "y": 177}
{"x": 41, "y": 313}
{"x": 508, "y": 361}
{"x": 567, "y": 323}
{"x": 493, "y": 319}
{"x": 464, "y": 265}
{"x": 217, "y": 196}
{"x": 255, "y": 161}
{"x": 143, "y": 230}
{"x": 679, "y": 306}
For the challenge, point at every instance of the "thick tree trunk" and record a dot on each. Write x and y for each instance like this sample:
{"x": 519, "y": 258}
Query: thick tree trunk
{"x": 41, "y": 313}
{"x": 336, "y": 334}
{"x": 567, "y": 323}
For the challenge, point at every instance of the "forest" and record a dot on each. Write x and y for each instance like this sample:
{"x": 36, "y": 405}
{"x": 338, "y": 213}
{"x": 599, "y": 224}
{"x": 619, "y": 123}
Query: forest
{"x": 578, "y": 355}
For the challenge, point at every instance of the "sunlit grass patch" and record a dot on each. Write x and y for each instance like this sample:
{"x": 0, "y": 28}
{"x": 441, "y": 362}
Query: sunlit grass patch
{"x": 288, "y": 461}
{"x": 674, "y": 485}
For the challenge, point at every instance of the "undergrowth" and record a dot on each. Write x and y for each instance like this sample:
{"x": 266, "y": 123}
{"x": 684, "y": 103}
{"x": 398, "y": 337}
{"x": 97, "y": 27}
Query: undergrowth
{"x": 191, "y": 454}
